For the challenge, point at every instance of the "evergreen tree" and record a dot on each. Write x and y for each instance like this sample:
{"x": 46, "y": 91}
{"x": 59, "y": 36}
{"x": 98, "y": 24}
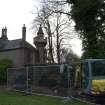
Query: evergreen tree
{"x": 89, "y": 16}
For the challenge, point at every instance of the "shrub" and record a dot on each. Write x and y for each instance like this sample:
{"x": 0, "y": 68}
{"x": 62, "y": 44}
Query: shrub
{"x": 4, "y": 64}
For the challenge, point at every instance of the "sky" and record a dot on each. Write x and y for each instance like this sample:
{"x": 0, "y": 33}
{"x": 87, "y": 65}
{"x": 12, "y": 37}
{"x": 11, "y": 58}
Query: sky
{"x": 15, "y": 13}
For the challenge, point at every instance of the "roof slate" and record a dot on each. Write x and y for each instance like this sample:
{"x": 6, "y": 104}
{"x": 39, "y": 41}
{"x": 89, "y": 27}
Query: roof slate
{"x": 15, "y": 44}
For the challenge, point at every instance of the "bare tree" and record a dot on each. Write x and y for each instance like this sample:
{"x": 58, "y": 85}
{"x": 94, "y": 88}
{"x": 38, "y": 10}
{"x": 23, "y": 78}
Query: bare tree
{"x": 57, "y": 26}
{"x": 69, "y": 56}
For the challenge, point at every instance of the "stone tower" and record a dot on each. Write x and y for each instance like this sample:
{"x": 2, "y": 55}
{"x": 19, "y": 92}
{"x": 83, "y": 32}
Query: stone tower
{"x": 40, "y": 43}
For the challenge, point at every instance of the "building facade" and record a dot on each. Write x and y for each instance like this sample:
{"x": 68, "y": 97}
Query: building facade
{"x": 20, "y": 52}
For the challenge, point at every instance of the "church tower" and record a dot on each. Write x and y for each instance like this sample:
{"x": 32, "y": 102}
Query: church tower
{"x": 40, "y": 43}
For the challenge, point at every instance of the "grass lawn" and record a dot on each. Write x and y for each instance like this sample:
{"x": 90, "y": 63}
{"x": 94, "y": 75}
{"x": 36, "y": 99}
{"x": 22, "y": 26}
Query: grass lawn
{"x": 14, "y": 98}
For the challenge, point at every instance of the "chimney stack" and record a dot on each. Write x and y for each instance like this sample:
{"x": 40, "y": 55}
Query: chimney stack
{"x": 24, "y": 32}
{"x": 4, "y": 33}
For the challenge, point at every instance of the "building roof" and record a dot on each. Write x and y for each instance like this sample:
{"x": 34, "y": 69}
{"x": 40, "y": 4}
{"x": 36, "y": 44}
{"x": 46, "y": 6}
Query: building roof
{"x": 14, "y": 44}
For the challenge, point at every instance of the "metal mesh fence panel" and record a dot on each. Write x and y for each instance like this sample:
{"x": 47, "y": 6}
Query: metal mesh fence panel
{"x": 17, "y": 79}
{"x": 50, "y": 79}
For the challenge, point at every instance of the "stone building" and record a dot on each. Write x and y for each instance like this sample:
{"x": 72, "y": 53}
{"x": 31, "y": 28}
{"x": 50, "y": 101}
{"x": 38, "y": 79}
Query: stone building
{"x": 20, "y": 51}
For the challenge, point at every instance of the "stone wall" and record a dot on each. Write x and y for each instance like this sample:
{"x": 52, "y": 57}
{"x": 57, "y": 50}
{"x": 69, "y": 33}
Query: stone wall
{"x": 15, "y": 55}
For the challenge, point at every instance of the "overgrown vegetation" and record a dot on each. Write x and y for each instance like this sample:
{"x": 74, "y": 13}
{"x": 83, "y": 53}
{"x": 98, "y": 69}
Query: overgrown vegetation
{"x": 4, "y": 64}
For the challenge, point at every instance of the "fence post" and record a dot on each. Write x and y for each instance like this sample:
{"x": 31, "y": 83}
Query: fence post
{"x": 27, "y": 80}
{"x": 7, "y": 79}
{"x": 69, "y": 81}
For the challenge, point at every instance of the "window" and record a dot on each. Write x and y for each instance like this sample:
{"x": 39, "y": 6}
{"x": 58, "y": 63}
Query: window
{"x": 98, "y": 68}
